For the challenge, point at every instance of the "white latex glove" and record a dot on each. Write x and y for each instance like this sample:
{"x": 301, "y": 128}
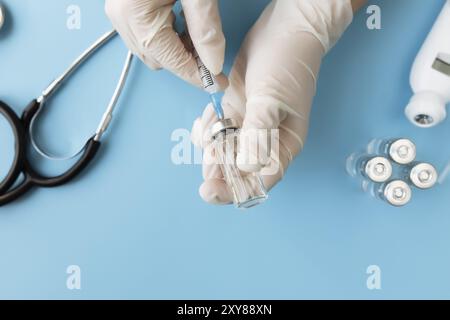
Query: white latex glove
{"x": 146, "y": 26}
{"x": 272, "y": 86}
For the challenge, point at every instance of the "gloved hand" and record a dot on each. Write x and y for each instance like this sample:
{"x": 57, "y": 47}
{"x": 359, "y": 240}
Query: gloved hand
{"x": 272, "y": 86}
{"x": 146, "y": 26}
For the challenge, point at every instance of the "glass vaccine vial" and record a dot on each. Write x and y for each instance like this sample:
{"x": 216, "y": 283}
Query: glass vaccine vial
{"x": 420, "y": 175}
{"x": 395, "y": 192}
{"x": 247, "y": 188}
{"x": 369, "y": 168}
{"x": 401, "y": 151}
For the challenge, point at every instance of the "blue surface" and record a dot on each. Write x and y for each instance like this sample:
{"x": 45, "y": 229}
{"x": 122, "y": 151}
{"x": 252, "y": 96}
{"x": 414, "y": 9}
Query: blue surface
{"x": 134, "y": 222}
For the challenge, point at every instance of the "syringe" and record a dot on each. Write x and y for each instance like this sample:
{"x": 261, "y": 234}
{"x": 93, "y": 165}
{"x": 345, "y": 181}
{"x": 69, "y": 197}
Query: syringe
{"x": 210, "y": 85}
{"x": 209, "y": 81}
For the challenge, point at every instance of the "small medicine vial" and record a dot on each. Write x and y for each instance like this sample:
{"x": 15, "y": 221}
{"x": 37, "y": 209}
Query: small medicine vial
{"x": 247, "y": 188}
{"x": 401, "y": 151}
{"x": 368, "y": 167}
{"x": 421, "y": 175}
{"x": 397, "y": 193}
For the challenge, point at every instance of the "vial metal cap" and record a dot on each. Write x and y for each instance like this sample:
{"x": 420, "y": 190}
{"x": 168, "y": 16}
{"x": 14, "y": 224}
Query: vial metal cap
{"x": 424, "y": 176}
{"x": 398, "y": 193}
{"x": 223, "y": 125}
{"x": 403, "y": 151}
{"x": 378, "y": 169}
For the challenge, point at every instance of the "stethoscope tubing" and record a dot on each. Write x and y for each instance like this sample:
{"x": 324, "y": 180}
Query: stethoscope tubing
{"x": 21, "y": 164}
{"x": 23, "y": 135}
{"x": 19, "y": 147}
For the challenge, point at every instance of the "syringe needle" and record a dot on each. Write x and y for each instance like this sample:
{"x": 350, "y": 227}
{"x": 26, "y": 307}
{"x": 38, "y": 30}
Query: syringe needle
{"x": 217, "y": 106}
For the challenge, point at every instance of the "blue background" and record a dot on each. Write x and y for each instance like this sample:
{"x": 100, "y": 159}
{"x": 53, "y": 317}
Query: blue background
{"x": 134, "y": 222}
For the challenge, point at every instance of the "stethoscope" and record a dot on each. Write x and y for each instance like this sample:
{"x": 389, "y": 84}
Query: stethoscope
{"x": 22, "y": 128}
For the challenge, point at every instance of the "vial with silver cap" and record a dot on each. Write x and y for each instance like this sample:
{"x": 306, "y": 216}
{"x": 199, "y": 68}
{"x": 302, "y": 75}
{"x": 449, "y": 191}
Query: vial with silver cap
{"x": 420, "y": 175}
{"x": 396, "y": 192}
{"x": 401, "y": 151}
{"x": 247, "y": 188}
{"x": 369, "y": 168}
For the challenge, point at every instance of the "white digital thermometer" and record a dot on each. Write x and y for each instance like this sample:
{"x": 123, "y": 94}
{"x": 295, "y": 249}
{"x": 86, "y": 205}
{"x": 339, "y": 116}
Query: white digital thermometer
{"x": 430, "y": 75}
